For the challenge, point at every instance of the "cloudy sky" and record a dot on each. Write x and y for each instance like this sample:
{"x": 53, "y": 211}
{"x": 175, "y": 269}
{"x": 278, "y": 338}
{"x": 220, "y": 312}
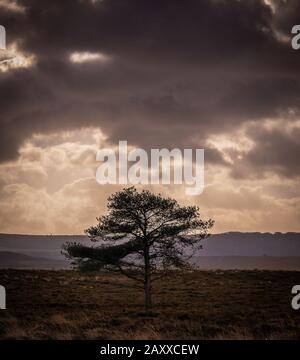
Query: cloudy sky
{"x": 214, "y": 74}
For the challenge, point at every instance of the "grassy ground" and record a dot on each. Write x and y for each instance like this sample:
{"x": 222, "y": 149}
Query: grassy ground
{"x": 197, "y": 305}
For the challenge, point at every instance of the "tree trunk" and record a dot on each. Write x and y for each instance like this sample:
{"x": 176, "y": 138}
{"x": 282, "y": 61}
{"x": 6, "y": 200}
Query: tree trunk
{"x": 148, "y": 297}
{"x": 147, "y": 281}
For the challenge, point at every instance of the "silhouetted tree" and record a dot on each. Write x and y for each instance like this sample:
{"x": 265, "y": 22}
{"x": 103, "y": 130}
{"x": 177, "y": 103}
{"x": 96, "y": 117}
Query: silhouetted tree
{"x": 143, "y": 236}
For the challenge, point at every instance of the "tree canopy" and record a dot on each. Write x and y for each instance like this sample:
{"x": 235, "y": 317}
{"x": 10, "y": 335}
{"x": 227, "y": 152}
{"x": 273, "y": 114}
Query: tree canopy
{"x": 143, "y": 236}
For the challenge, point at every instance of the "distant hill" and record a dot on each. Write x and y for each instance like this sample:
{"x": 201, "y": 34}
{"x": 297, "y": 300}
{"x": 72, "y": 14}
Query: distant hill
{"x": 10, "y": 259}
{"x": 232, "y": 250}
{"x": 252, "y": 244}
{"x": 247, "y": 262}
{"x": 46, "y": 246}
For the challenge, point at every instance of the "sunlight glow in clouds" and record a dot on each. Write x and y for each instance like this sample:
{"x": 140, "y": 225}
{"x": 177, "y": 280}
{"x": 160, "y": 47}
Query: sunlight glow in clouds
{"x": 12, "y": 5}
{"x": 54, "y": 176}
{"x": 271, "y": 4}
{"x": 85, "y": 56}
{"x": 13, "y": 58}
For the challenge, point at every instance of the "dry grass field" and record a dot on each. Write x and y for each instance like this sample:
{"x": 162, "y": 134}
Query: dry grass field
{"x": 195, "y": 305}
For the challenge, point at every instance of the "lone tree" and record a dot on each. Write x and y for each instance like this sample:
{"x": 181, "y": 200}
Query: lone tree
{"x": 143, "y": 237}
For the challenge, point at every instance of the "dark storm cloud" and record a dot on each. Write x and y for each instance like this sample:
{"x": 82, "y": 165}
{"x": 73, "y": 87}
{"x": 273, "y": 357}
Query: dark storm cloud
{"x": 276, "y": 150}
{"x": 180, "y": 70}
{"x": 262, "y": 98}
{"x": 207, "y": 31}
{"x": 285, "y": 14}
